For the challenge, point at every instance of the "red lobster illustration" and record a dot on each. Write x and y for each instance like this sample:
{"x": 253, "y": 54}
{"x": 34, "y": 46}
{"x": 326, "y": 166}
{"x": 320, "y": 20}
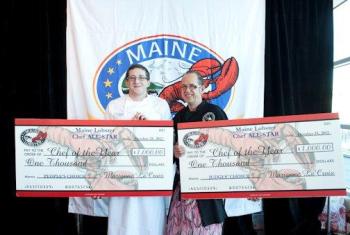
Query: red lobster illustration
{"x": 262, "y": 175}
{"x": 207, "y": 68}
{"x": 202, "y": 138}
{"x": 40, "y": 136}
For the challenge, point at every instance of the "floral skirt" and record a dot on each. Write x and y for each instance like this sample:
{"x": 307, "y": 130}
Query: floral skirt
{"x": 184, "y": 218}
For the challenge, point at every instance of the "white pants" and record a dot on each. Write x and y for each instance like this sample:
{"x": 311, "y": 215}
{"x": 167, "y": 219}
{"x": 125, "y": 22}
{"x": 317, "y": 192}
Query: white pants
{"x": 137, "y": 215}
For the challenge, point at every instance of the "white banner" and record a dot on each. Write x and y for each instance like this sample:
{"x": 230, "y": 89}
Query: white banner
{"x": 223, "y": 40}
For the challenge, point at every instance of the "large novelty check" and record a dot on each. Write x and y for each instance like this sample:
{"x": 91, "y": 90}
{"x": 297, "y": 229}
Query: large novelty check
{"x": 289, "y": 156}
{"x": 60, "y": 158}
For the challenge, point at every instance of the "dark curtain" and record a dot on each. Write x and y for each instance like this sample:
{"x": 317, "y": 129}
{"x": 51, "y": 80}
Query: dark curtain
{"x": 298, "y": 57}
{"x": 33, "y": 85}
{"x": 298, "y": 80}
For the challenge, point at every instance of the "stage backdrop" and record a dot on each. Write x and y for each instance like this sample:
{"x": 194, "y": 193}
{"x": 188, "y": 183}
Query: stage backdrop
{"x": 223, "y": 40}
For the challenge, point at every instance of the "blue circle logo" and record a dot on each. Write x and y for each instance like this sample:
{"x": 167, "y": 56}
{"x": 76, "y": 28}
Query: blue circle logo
{"x": 167, "y": 57}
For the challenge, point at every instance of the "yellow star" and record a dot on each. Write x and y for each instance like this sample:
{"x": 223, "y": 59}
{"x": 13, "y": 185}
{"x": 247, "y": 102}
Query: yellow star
{"x": 109, "y": 95}
{"x": 108, "y": 83}
{"x": 119, "y": 62}
{"x": 110, "y": 71}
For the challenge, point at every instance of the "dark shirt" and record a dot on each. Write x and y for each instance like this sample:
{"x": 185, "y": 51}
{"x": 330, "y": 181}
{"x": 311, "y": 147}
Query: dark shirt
{"x": 211, "y": 211}
{"x": 204, "y": 112}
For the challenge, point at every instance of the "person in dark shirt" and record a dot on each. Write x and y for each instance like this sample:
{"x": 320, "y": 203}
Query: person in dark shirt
{"x": 194, "y": 216}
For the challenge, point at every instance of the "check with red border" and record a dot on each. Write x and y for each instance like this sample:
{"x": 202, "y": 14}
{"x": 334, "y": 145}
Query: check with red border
{"x": 64, "y": 158}
{"x": 286, "y": 156}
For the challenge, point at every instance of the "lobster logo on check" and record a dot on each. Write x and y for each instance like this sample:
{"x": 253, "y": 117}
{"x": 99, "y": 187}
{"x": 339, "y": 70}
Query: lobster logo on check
{"x": 33, "y": 137}
{"x": 195, "y": 139}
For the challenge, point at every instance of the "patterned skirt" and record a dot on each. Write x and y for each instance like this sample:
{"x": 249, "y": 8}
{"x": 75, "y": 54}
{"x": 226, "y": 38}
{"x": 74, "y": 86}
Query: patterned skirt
{"x": 184, "y": 218}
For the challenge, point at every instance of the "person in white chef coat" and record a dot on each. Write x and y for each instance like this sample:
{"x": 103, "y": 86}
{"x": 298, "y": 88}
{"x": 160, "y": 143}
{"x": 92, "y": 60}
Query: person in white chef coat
{"x": 137, "y": 215}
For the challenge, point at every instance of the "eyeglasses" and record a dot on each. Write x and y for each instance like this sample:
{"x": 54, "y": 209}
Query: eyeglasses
{"x": 192, "y": 87}
{"x": 140, "y": 78}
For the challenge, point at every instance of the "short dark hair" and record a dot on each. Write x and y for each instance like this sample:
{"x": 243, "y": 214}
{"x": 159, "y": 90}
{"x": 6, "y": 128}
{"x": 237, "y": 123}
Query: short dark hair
{"x": 199, "y": 76}
{"x": 137, "y": 66}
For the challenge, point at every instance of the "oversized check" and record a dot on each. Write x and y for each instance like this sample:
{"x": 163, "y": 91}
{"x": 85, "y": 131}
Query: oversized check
{"x": 287, "y": 156}
{"x": 61, "y": 158}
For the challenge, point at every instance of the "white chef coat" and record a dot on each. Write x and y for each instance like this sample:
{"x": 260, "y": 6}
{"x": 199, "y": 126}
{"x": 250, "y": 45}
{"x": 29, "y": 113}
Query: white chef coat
{"x": 137, "y": 215}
